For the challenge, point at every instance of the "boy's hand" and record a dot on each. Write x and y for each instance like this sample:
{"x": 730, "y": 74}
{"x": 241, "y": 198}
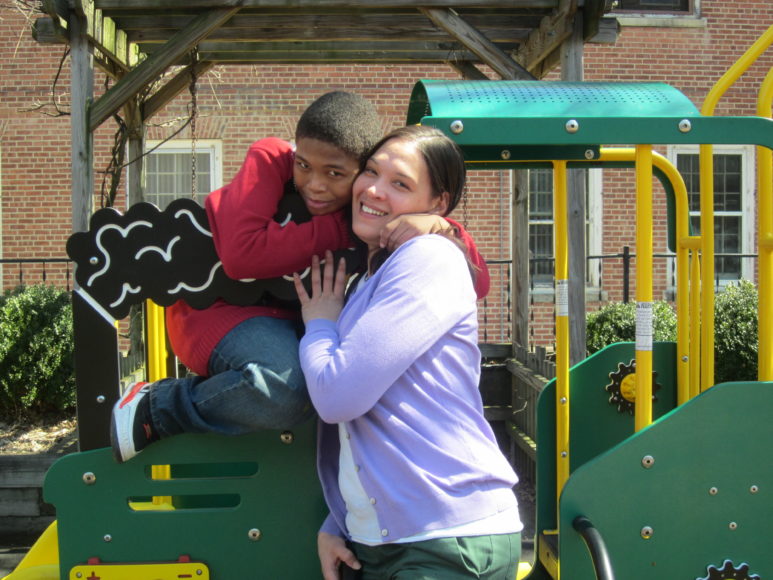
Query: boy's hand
{"x": 408, "y": 226}
{"x": 327, "y": 289}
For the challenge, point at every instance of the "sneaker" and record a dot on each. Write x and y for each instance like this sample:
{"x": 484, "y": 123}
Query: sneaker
{"x": 131, "y": 427}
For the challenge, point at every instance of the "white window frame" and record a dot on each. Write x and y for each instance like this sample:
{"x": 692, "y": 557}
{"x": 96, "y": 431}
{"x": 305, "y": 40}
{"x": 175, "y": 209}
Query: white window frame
{"x": 748, "y": 196}
{"x": 213, "y": 146}
{"x": 595, "y": 213}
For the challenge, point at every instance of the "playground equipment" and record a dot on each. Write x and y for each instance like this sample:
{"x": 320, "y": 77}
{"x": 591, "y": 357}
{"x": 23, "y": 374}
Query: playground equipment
{"x": 679, "y": 489}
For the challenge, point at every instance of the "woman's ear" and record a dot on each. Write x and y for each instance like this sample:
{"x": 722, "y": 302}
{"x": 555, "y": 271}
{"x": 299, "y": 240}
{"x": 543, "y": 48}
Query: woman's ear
{"x": 440, "y": 206}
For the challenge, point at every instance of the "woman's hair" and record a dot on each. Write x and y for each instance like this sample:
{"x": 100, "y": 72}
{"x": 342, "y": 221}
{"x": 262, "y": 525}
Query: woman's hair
{"x": 443, "y": 157}
{"x": 345, "y": 120}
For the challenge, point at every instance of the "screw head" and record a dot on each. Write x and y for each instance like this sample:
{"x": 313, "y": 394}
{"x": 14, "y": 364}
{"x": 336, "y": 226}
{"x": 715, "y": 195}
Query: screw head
{"x": 646, "y": 532}
{"x": 89, "y": 478}
{"x": 254, "y": 534}
{"x": 100, "y": 399}
{"x": 754, "y": 489}
{"x": 572, "y": 126}
{"x": 505, "y": 154}
{"x": 647, "y": 461}
{"x": 93, "y": 260}
{"x": 590, "y": 154}
{"x": 457, "y": 127}
{"x": 107, "y": 538}
{"x": 713, "y": 491}
{"x": 733, "y": 526}
{"x": 685, "y": 126}
{"x": 286, "y": 437}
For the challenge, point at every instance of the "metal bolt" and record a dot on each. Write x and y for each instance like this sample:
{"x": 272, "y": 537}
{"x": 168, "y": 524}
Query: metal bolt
{"x": 199, "y": 572}
{"x": 457, "y": 127}
{"x": 733, "y": 526}
{"x": 590, "y": 154}
{"x": 100, "y": 399}
{"x": 93, "y": 260}
{"x": 564, "y": 454}
{"x": 685, "y": 126}
{"x": 685, "y": 358}
{"x": 563, "y": 400}
{"x": 287, "y": 437}
{"x": 646, "y": 532}
{"x": 79, "y": 574}
{"x": 254, "y": 534}
{"x": 754, "y": 489}
{"x": 713, "y": 491}
{"x": 89, "y": 478}
{"x": 572, "y": 126}
{"x": 647, "y": 461}
{"x": 505, "y": 154}
{"x": 107, "y": 538}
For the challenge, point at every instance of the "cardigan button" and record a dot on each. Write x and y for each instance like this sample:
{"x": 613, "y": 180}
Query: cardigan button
{"x": 373, "y": 501}
{"x": 385, "y": 532}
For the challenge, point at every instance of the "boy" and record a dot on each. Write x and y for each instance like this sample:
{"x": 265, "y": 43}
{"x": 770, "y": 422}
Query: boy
{"x": 248, "y": 374}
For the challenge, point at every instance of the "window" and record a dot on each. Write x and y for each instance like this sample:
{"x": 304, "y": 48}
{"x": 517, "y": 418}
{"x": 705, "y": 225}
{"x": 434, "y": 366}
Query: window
{"x": 733, "y": 206}
{"x": 653, "y": 5}
{"x": 169, "y": 170}
{"x": 541, "y": 240}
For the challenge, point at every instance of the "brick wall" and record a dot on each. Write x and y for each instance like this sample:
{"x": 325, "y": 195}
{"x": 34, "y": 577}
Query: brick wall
{"x": 239, "y": 104}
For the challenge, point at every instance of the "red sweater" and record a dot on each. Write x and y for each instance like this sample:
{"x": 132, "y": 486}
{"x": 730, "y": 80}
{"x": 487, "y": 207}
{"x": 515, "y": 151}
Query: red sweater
{"x": 251, "y": 244}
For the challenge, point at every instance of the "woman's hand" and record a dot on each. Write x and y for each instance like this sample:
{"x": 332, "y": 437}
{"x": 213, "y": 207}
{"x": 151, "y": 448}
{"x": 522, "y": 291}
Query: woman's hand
{"x": 327, "y": 289}
{"x": 332, "y": 553}
{"x": 408, "y": 226}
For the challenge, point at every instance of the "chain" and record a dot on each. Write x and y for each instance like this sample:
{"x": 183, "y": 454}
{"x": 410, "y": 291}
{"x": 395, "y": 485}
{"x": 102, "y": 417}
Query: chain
{"x": 193, "y": 114}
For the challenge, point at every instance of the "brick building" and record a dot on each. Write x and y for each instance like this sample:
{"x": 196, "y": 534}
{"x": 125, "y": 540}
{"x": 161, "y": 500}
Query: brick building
{"x": 686, "y": 43}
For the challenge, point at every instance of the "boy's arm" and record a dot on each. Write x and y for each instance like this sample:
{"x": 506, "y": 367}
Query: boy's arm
{"x": 408, "y": 226}
{"x": 249, "y": 242}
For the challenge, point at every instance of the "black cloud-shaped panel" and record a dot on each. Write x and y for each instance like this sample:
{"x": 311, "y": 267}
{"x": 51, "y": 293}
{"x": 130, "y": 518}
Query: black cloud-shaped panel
{"x": 165, "y": 256}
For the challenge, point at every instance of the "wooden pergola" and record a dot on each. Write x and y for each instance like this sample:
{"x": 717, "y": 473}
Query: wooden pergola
{"x": 136, "y": 42}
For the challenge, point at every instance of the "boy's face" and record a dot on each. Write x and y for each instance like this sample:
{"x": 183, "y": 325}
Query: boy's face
{"x": 323, "y": 175}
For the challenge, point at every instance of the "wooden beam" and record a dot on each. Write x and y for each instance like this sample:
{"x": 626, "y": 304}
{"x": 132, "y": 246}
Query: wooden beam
{"x": 548, "y": 38}
{"x": 148, "y": 70}
{"x": 349, "y": 5}
{"x": 173, "y": 87}
{"x": 477, "y": 43}
{"x": 468, "y": 71}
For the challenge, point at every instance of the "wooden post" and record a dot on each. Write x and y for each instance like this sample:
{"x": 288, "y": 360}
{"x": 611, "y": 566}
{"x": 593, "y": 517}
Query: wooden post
{"x": 520, "y": 253}
{"x": 572, "y": 70}
{"x": 82, "y": 89}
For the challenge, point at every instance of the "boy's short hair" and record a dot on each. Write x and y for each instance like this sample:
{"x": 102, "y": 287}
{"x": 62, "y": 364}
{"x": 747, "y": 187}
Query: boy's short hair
{"x": 345, "y": 120}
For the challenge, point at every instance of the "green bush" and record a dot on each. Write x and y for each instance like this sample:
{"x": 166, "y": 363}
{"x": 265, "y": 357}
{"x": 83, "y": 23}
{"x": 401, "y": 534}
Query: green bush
{"x": 36, "y": 353}
{"x": 736, "y": 340}
{"x": 616, "y": 322}
{"x": 735, "y": 329}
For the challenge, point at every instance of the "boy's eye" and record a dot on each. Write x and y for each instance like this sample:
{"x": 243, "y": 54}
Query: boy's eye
{"x": 301, "y": 164}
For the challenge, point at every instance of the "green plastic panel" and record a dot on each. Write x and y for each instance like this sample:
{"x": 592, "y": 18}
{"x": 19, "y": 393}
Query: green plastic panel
{"x": 706, "y": 496}
{"x": 596, "y": 425}
{"x": 222, "y": 486}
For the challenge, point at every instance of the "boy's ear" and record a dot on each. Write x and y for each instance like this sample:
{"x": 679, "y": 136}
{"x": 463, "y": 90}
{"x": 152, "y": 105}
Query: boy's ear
{"x": 440, "y": 204}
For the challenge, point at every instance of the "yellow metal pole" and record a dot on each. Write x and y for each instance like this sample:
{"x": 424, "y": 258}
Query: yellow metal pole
{"x": 562, "y": 323}
{"x": 157, "y": 354}
{"x": 684, "y": 243}
{"x": 695, "y": 323}
{"x": 707, "y": 205}
{"x": 643, "y": 409}
{"x": 765, "y": 240}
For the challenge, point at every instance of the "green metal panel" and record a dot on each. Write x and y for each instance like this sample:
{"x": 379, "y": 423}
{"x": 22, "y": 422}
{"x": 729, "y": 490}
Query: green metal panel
{"x": 223, "y": 487}
{"x": 596, "y": 425}
{"x": 706, "y": 496}
{"x": 514, "y": 114}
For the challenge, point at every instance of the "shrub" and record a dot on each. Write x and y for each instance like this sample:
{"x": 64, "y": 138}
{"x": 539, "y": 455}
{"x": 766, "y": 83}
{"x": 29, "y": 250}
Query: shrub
{"x": 736, "y": 340}
{"x": 616, "y": 322}
{"x": 36, "y": 353}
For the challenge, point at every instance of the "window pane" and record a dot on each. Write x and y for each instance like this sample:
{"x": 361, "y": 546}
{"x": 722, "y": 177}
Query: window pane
{"x": 654, "y": 5}
{"x": 541, "y": 249}
{"x": 168, "y": 175}
{"x": 727, "y": 183}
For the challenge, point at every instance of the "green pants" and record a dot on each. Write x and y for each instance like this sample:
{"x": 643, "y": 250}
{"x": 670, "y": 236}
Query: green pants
{"x": 492, "y": 557}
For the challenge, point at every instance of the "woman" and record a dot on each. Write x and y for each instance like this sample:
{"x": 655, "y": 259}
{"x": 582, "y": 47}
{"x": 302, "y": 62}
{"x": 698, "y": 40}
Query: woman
{"x": 410, "y": 468}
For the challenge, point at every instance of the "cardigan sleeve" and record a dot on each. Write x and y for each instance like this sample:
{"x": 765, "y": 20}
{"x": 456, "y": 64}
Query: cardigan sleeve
{"x": 421, "y": 293}
{"x": 249, "y": 242}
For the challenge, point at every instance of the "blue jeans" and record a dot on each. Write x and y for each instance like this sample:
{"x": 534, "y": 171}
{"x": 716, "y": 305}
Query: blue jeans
{"x": 255, "y": 383}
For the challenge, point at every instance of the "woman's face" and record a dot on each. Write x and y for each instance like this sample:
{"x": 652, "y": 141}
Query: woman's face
{"x": 395, "y": 181}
